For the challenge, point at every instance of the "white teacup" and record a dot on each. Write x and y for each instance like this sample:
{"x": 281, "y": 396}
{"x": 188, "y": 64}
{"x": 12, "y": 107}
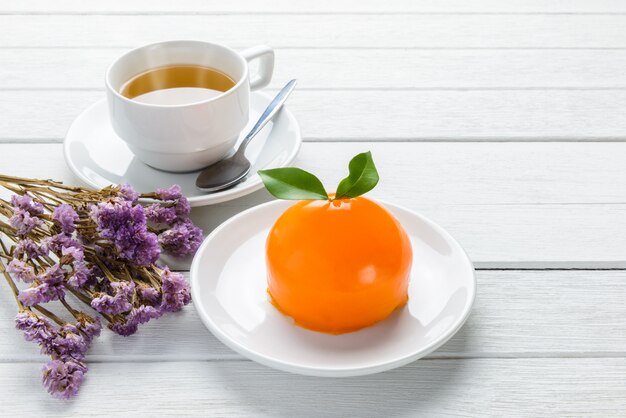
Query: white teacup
{"x": 187, "y": 136}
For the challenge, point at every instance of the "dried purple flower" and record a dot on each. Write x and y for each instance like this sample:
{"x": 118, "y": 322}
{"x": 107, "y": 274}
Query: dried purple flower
{"x": 124, "y": 329}
{"x": 35, "y": 328}
{"x": 128, "y": 193}
{"x": 76, "y": 253}
{"x": 28, "y": 247}
{"x": 43, "y": 293}
{"x": 24, "y": 222}
{"x": 124, "y": 289}
{"x": 183, "y": 207}
{"x": 62, "y": 379}
{"x": 90, "y": 327}
{"x": 53, "y": 275}
{"x": 112, "y": 305}
{"x": 66, "y": 217}
{"x": 21, "y": 271}
{"x": 137, "y": 316}
{"x": 143, "y": 314}
{"x": 67, "y": 344}
{"x": 146, "y": 249}
{"x": 175, "y": 290}
{"x": 160, "y": 214}
{"x": 149, "y": 294}
{"x": 80, "y": 277}
{"x": 170, "y": 193}
{"x": 182, "y": 239}
{"x": 125, "y": 225}
{"x": 27, "y": 204}
{"x": 80, "y": 273}
{"x": 56, "y": 242}
{"x": 119, "y": 302}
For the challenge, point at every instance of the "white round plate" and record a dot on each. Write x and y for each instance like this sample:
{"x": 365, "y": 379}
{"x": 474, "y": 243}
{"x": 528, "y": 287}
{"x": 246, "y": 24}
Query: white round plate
{"x": 99, "y": 157}
{"x": 228, "y": 286}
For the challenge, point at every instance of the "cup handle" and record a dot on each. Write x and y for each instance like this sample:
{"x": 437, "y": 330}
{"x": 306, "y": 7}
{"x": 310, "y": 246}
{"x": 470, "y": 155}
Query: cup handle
{"x": 266, "y": 68}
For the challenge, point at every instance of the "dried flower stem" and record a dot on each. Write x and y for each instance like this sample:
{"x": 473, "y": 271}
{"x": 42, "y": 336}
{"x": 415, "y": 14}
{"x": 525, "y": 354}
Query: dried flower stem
{"x": 50, "y": 315}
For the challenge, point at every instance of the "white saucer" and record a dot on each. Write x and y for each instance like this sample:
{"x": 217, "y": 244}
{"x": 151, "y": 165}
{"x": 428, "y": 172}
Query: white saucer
{"x": 228, "y": 286}
{"x": 100, "y": 158}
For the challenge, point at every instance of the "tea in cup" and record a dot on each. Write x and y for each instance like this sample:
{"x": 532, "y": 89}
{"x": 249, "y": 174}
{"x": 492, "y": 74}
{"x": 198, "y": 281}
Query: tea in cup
{"x": 181, "y": 105}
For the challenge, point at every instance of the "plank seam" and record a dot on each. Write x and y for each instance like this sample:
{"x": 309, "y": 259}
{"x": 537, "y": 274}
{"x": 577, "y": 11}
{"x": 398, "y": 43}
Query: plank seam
{"x": 366, "y": 89}
{"x": 356, "y": 47}
{"x": 433, "y": 357}
{"x": 386, "y": 140}
{"x": 288, "y": 13}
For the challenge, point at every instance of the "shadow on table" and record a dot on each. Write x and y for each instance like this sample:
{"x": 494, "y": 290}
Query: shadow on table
{"x": 419, "y": 387}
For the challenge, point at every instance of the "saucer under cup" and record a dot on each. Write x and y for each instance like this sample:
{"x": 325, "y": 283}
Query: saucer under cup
{"x": 95, "y": 154}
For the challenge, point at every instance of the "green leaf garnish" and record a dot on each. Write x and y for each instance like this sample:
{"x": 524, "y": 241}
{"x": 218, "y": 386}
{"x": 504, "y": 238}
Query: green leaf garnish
{"x": 291, "y": 183}
{"x": 362, "y": 177}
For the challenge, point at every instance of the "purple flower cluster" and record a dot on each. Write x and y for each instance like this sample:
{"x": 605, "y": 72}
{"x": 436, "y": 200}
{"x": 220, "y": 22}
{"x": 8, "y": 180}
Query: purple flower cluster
{"x": 104, "y": 252}
{"x": 140, "y": 315}
{"x": 65, "y": 345}
{"x": 35, "y": 328}
{"x": 80, "y": 272}
{"x": 48, "y": 286}
{"x": 128, "y": 193}
{"x": 21, "y": 271}
{"x": 25, "y": 214}
{"x": 27, "y": 204}
{"x": 89, "y": 327}
{"x": 171, "y": 193}
{"x": 175, "y": 291}
{"x": 183, "y": 237}
{"x": 66, "y": 217}
{"x": 117, "y": 303}
{"x": 55, "y": 243}
{"x": 174, "y": 295}
{"x": 62, "y": 379}
{"x": 27, "y": 247}
{"x": 160, "y": 214}
{"x": 125, "y": 225}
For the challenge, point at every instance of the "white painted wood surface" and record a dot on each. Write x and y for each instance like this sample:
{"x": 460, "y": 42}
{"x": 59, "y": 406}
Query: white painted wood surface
{"x": 300, "y": 30}
{"x": 146, "y": 7}
{"x": 356, "y": 69}
{"x": 501, "y": 120}
{"x": 379, "y": 115}
{"x": 455, "y": 387}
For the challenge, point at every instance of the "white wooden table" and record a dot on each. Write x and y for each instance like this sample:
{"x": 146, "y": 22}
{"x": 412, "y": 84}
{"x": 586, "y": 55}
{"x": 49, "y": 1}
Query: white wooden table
{"x": 504, "y": 121}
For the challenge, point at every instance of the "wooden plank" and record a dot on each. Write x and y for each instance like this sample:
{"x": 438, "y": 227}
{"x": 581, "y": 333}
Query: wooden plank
{"x": 519, "y": 387}
{"x": 319, "y": 6}
{"x": 510, "y": 205}
{"x": 377, "y": 30}
{"x": 458, "y": 115}
{"x": 516, "y": 314}
{"x": 354, "y": 68}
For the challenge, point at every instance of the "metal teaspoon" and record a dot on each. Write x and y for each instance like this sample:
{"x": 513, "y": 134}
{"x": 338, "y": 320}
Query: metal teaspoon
{"x": 234, "y": 169}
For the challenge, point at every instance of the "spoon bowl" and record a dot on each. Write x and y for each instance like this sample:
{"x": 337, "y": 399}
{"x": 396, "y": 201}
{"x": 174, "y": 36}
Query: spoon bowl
{"x": 223, "y": 174}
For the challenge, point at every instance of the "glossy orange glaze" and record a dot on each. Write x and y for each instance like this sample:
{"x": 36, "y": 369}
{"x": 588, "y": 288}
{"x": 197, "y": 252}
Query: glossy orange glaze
{"x": 338, "y": 266}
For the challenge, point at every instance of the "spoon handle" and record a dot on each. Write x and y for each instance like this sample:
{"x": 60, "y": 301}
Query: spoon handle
{"x": 268, "y": 114}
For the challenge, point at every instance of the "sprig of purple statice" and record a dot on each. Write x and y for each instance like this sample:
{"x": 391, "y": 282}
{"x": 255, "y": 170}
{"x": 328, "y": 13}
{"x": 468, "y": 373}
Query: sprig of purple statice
{"x": 62, "y": 246}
